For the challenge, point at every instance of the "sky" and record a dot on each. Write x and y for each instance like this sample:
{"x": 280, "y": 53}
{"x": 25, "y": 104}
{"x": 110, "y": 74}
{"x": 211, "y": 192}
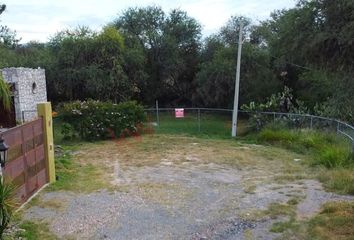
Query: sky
{"x": 40, "y": 19}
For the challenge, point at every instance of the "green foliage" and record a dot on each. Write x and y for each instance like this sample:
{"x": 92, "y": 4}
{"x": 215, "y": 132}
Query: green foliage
{"x": 77, "y": 176}
{"x": 86, "y": 65}
{"x": 7, "y": 37}
{"x": 280, "y": 102}
{"x": 280, "y": 227}
{"x": 5, "y": 97}
{"x": 278, "y": 136}
{"x": 146, "y": 54}
{"x": 340, "y": 104}
{"x": 167, "y": 48}
{"x": 8, "y": 204}
{"x": 327, "y": 150}
{"x": 67, "y": 131}
{"x": 340, "y": 180}
{"x": 311, "y": 45}
{"x": 101, "y": 120}
{"x": 34, "y": 231}
{"x": 216, "y": 78}
{"x": 330, "y": 154}
{"x": 334, "y": 156}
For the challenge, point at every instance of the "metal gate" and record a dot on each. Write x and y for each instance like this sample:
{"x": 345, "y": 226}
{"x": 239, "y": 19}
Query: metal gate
{"x": 26, "y": 165}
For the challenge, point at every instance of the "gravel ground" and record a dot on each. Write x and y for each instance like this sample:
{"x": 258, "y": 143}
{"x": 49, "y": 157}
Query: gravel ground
{"x": 191, "y": 200}
{"x": 185, "y": 190}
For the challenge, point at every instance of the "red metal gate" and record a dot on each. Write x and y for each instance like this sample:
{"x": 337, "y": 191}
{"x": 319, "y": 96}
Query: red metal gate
{"x": 26, "y": 164}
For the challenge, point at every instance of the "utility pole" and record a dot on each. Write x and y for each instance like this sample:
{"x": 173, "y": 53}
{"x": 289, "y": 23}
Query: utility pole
{"x": 237, "y": 84}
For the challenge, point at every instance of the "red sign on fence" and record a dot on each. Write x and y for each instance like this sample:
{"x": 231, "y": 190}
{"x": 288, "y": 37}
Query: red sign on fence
{"x": 179, "y": 112}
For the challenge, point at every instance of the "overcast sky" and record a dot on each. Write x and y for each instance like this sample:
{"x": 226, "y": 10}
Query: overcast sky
{"x": 40, "y": 19}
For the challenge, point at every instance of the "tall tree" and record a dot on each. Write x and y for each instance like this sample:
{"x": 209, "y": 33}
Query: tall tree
{"x": 87, "y": 65}
{"x": 8, "y": 37}
{"x": 313, "y": 44}
{"x": 216, "y": 78}
{"x": 170, "y": 46}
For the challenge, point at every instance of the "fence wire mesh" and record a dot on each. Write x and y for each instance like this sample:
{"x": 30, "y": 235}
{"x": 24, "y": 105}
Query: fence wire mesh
{"x": 216, "y": 121}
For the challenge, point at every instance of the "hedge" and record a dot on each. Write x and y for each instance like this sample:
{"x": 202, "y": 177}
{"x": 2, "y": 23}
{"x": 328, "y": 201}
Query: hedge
{"x": 94, "y": 120}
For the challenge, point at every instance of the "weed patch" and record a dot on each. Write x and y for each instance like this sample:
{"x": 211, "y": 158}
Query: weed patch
{"x": 280, "y": 227}
{"x": 326, "y": 149}
{"x": 280, "y": 209}
{"x": 340, "y": 180}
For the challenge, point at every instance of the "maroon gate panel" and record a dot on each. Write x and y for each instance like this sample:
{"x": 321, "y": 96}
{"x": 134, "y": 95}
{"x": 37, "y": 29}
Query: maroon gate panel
{"x": 26, "y": 164}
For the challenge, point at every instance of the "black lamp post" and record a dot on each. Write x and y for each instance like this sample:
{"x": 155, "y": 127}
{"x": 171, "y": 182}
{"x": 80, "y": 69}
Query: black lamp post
{"x": 3, "y": 152}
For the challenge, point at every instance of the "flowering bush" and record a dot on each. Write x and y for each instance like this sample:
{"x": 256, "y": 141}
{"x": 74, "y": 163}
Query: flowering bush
{"x": 101, "y": 120}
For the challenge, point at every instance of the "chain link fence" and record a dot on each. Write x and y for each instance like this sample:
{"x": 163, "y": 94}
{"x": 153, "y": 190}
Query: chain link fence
{"x": 217, "y": 121}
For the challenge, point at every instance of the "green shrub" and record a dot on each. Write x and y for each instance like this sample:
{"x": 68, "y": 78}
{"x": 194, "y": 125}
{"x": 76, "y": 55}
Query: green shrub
{"x": 101, "y": 120}
{"x": 332, "y": 156}
{"x": 67, "y": 130}
{"x": 7, "y": 205}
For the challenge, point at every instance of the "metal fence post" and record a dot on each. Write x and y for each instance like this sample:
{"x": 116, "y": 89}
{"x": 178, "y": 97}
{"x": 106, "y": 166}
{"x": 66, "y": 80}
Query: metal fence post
{"x": 273, "y": 117}
{"x": 311, "y": 123}
{"x": 157, "y": 113}
{"x": 337, "y": 127}
{"x": 198, "y": 119}
{"x": 23, "y": 116}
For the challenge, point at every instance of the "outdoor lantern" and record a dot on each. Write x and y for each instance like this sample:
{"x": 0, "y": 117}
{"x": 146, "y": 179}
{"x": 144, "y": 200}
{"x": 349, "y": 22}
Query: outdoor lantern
{"x": 3, "y": 152}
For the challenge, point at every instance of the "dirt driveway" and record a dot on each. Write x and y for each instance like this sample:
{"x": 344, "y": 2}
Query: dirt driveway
{"x": 170, "y": 187}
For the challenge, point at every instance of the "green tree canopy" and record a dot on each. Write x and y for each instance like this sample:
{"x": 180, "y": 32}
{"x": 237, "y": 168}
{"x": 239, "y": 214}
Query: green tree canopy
{"x": 169, "y": 47}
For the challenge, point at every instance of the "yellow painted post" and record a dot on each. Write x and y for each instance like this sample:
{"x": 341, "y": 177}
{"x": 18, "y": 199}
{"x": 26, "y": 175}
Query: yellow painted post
{"x": 45, "y": 111}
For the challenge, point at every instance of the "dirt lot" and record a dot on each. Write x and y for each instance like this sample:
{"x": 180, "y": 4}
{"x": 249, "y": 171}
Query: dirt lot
{"x": 173, "y": 187}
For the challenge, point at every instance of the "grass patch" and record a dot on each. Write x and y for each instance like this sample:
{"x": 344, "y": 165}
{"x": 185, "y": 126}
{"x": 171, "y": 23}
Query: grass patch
{"x": 280, "y": 227}
{"x": 326, "y": 149}
{"x": 283, "y": 209}
{"x": 211, "y": 124}
{"x": 334, "y": 222}
{"x": 289, "y": 177}
{"x": 340, "y": 180}
{"x": 73, "y": 175}
{"x": 280, "y": 209}
{"x": 34, "y": 231}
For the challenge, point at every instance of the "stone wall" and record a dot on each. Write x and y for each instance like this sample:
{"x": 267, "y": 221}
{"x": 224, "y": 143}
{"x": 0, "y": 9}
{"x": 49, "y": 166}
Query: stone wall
{"x": 29, "y": 89}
